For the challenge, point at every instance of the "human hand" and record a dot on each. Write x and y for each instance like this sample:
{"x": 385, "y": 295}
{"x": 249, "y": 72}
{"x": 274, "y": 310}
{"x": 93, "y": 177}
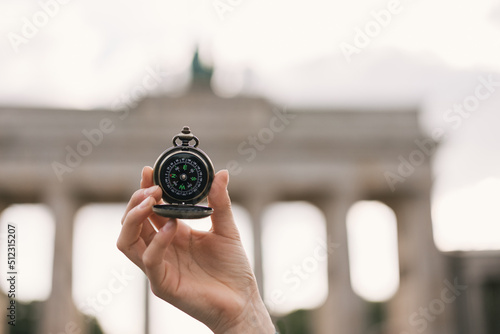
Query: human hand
{"x": 205, "y": 274}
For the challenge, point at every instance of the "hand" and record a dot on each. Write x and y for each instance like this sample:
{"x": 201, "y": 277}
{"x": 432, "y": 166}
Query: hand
{"x": 205, "y": 274}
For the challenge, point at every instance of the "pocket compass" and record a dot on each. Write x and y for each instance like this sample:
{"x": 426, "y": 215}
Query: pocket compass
{"x": 184, "y": 174}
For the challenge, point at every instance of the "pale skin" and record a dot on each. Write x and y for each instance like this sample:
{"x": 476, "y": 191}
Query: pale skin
{"x": 205, "y": 274}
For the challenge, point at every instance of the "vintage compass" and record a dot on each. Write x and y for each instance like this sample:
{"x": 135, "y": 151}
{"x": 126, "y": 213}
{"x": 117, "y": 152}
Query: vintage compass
{"x": 184, "y": 174}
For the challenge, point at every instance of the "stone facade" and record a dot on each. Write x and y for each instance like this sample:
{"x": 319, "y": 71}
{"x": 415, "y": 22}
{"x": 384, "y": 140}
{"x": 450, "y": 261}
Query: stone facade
{"x": 67, "y": 158}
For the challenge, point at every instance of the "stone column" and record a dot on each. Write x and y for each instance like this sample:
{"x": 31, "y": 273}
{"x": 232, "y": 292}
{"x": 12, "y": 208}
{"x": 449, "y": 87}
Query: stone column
{"x": 255, "y": 205}
{"x": 3, "y": 297}
{"x": 474, "y": 303}
{"x": 60, "y": 313}
{"x": 343, "y": 312}
{"x": 3, "y": 306}
{"x": 419, "y": 305}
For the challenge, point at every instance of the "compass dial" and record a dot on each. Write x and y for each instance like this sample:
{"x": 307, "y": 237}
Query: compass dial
{"x": 184, "y": 177}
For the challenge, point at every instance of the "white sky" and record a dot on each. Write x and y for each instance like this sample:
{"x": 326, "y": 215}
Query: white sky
{"x": 89, "y": 52}
{"x": 34, "y": 233}
{"x": 294, "y": 251}
{"x": 430, "y": 54}
{"x": 373, "y": 250}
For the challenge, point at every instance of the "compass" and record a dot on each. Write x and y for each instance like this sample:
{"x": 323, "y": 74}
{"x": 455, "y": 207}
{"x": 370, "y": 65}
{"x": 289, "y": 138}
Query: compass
{"x": 184, "y": 174}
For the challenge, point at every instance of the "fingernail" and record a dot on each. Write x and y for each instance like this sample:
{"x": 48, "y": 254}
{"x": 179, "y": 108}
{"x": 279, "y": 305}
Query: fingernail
{"x": 150, "y": 190}
{"x": 144, "y": 203}
{"x": 168, "y": 225}
{"x": 227, "y": 177}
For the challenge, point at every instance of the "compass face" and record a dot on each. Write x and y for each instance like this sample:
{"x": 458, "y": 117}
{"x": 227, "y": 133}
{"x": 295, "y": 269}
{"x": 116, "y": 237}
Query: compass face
{"x": 184, "y": 177}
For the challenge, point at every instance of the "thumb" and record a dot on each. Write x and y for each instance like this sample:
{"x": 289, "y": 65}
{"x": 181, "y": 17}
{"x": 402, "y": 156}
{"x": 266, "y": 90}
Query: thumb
{"x": 218, "y": 198}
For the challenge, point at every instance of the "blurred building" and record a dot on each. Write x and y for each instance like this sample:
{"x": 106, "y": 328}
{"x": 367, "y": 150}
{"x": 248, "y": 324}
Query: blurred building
{"x": 330, "y": 158}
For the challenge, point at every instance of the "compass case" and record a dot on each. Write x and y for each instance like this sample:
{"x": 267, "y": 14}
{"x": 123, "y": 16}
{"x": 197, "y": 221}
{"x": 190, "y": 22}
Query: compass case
{"x": 185, "y": 175}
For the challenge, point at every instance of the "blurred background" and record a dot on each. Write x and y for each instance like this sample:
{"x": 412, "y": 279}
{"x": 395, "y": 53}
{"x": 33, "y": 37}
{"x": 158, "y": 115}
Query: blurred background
{"x": 361, "y": 140}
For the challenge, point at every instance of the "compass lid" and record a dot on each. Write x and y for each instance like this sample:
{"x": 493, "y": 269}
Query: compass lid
{"x": 182, "y": 211}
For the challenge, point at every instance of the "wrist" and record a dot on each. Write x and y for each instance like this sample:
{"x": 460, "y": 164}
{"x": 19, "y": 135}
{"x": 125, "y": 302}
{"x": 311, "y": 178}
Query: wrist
{"x": 254, "y": 319}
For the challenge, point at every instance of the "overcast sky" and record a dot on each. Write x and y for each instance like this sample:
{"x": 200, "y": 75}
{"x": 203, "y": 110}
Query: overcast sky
{"x": 84, "y": 53}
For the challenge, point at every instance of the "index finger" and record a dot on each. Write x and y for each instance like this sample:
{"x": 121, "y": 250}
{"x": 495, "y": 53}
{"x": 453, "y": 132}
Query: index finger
{"x": 147, "y": 177}
{"x": 130, "y": 241}
{"x": 146, "y": 182}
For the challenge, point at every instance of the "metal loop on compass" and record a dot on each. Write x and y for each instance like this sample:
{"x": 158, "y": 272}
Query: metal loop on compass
{"x": 186, "y": 136}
